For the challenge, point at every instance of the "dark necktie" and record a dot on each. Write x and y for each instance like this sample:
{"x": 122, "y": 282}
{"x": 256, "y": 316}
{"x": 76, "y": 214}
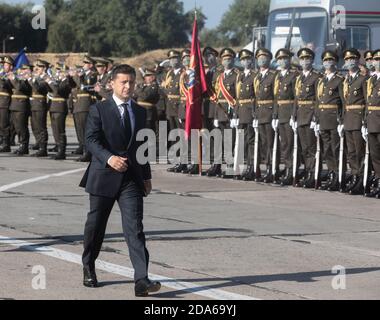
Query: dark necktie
{"x": 126, "y": 121}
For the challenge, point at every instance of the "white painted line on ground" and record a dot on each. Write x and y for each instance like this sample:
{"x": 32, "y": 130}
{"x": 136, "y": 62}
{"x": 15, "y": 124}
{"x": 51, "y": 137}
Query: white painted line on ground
{"x": 31, "y": 180}
{"x": 171, "y": 283}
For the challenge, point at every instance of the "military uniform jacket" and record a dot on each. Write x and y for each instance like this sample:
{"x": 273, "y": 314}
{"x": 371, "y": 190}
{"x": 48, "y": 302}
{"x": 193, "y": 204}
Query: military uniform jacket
{"x": 5, "y": 93}
{"x": 21, "y": 91}
{"x": 264, "y": 90}
{"x": 372, "y": 115}
{"x": 148, "y": 96}
{"x": 284, "y": 88}
{"x": 209, "y": 104}
{"x": 229, "y": 82}
{"x": 245, "y": 94}
{"x": 40, "y": 89}
{"x": 60, "y": 92}
{"x": 183, "y": 93}
{"x": 355, "y": 91}
{"x": 104, "y": 93}
{"x": 172, "y": 91}
{"x": 83, "y": 98}
{"x": 306, "y": 97}
{"x": 330, "y": 102}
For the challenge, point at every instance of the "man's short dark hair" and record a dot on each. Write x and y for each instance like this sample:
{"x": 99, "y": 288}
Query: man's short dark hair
{"x": 123, "y": 69}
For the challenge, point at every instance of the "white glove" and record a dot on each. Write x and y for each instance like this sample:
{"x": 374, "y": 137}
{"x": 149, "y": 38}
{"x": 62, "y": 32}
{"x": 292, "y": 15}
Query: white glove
{"x": 340, "y": 130}
{"x": 180, "y": 121}
{"x": 312, "y": 125}
{"x": 317, "y": 130}
{"x": 237, "y": 123}
{"x": 291, "y": 122}
{"x": 295, "y": 126}
{"x": 232, "y": 123}
{"x": 365, "y": 133}
{"x": 275, "y": 124}
{"x": 216, "y": 123}
{"x": 255, "y": 123}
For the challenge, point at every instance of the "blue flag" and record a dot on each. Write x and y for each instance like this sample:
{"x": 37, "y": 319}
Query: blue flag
{"x": 20, "y": 59}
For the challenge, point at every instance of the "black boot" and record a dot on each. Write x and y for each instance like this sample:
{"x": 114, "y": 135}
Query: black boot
{"x": 374, "y": 190}
{"x": 268, "y": 177}
{"x": 214, "y": 171}
{"x": 61, "y": 154}
{"x": 194, "y": 169}
{"x": 352, "y": 183}
{"x": 89, "y": 278}
{"x": 309, "y": 182}
{"x": 334, "y": 183}
{"x": 36, "y": 146}
{"x": 329, "y": 180}
{"x": 54, "y": 149}
{"x": 42, "y": 152}
{"x": 6, "y": 146}
{"x": 22, "y": 150}
{"x": 172, "y": 169}
{"x": 287, "y": 178}
{"x": 180, "y": 168}
{"x": 78, "y": 150}
{"x": 85, "y": 158}
{"x": 358, "y": 188}
{"x": 250, "y": 174}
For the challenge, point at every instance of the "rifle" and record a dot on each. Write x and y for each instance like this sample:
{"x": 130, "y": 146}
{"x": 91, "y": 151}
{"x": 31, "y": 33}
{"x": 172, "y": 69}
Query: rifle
{"x": 295, "y": 157}
{"x": 366, "y": 167}
{"x": 317, "y": 162}
{"x": 341, "y": 153}
{"x": 274, "y": 155}
{"x": 256, "y": 163}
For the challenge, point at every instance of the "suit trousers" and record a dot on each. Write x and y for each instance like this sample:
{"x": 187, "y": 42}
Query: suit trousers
{"x": 374, "y": 149}
{"x": 130, "y": 200}
{"x": 355, "y": 151}
{"x": 308, "y": 146}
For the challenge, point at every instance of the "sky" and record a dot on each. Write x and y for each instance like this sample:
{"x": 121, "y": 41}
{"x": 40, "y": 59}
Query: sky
{"x": 213, "y": 9}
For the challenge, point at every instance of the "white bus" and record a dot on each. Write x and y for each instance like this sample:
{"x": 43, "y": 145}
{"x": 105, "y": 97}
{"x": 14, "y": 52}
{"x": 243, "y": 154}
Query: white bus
{"x": 322, "y": 24}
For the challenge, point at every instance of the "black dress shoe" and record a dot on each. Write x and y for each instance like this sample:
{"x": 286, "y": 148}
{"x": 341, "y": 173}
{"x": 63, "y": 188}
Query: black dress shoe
{"x": 85, "y": 158}
{"x": 89, "y": 278}
{"x": 144, "y": 286}
{"x": 36, "y": 147}
{"x": 78, "y": 151}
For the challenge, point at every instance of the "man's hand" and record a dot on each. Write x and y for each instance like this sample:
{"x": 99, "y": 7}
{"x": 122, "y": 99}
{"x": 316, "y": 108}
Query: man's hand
{"x": 118, "y": 163}
{"x": 148, "y": 186}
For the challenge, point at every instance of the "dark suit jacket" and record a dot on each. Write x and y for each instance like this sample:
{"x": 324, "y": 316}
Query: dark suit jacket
{"x": 105, "y": 136}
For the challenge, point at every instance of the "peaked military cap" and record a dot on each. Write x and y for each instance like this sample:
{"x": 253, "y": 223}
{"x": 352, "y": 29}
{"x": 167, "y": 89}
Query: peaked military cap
{"x": 281, "y": 53}
{"x": 185, "y": 53}
{"x": 263, "y": 52}
{"x": 173, "y": 54}
{"x": 245, "y": 53}
{"x": 209, "y": 50}
{"x": 328, "y": 54}
{"x": 305, "y": 53}
{"x": 227, "y": 52}
{"x": 376, "y": 54}
{"x": 351, "y": 53}
{"x": 368, "y": 55}
{"x": 8, "y": 59}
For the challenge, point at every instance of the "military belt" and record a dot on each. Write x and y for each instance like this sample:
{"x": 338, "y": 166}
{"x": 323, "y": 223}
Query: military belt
{"x": 328, "y": 106}
{"x": 4, "y": 94}
{"x": 354, "y": 107}
{"x": 246, "y": 101}
{"x": 373, "y": 108}
{"x": 305, "y": 102}
{"x": 173, "y": 96}
{"x": 38, "y": 96}
{"x": 264, "y": 102}
{"x": 222, "y": 101}
{"x": 19, "y": 96}
{"x": 283, "y": 102}
{"x": 183, "y": 98}
{"x": 83, "y": 95}
{"x": 58, "y": 99}
{"x": 145, "y": 104}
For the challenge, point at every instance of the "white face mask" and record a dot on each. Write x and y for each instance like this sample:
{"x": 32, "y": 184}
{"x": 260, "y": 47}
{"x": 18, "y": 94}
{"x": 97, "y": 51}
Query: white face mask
{"x": 174, "y": 62}
{"x": 263, "y": 62}
{"x": 227, "y": 63}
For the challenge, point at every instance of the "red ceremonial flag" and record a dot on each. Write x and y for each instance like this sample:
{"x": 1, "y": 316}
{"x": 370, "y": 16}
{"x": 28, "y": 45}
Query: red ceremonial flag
{"x": 196, "y": 85}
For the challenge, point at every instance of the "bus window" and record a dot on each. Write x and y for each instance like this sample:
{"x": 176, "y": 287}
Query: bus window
{"x": 355, "y": 37}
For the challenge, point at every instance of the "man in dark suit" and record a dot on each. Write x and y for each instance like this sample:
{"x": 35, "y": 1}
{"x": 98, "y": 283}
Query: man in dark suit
{"x": 116, "y": 174}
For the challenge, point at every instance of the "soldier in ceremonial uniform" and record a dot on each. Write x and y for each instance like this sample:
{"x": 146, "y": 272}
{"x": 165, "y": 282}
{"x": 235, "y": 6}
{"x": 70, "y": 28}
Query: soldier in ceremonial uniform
{"x": 171, "y": 87}
{"x": 304, "y": 112}
{"x": 83, "y": 99}
{"x": 369, "y": 62}
{"x": 355, "y": 90}
{"x": 5, "y": 100}
{"x": 60, "y": 88}
{"x": 226, "y": 109}
{"x": 245, "y": 104}
{"x": 263, "y": 113}
{"x": 328, "y": 117}
{"x": 20, "y": 108}
{"x": 284, "y": 88}
{"x": 101, "y": 88}
{"x": 39, "y": 108}
{"x": 147, "y": 96}
{"x": 372, "y": 122}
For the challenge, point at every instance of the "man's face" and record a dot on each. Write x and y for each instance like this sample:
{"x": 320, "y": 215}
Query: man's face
{"x": 7, "y": 67}
{"x": 123, "y": 86}
{"x": 149, "y": 79}
{"x": 101, "y": 69}
{"x": 87, "y": 66}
